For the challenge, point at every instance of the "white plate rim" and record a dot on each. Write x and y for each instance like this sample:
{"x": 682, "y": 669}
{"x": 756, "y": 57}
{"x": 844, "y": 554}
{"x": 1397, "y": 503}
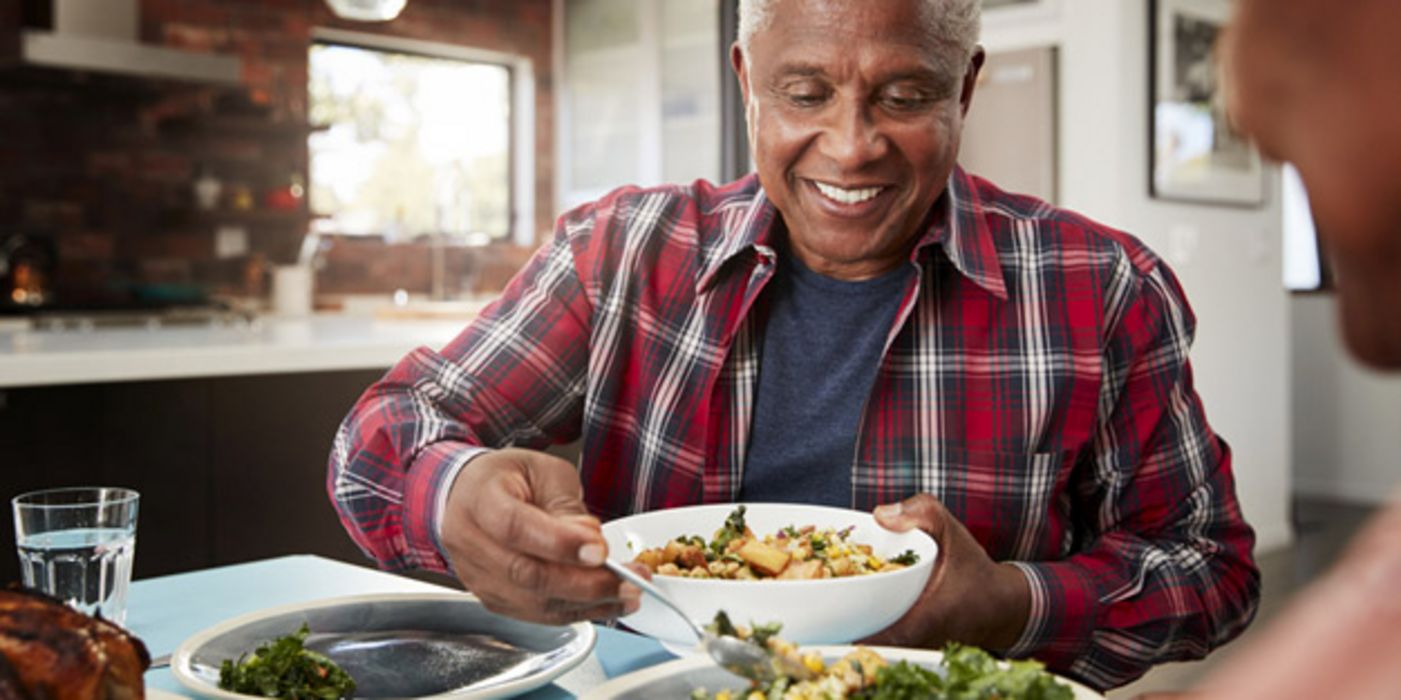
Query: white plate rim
{"x": 645, "y": 676}
{"x": 181, "y": 658}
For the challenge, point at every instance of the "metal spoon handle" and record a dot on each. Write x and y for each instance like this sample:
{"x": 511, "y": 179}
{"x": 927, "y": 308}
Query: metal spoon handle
{"x": 632, "y": 577}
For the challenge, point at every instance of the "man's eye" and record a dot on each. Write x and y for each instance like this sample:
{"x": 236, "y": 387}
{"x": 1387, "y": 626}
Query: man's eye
{"x": 906, "y": 102}
{"x": 806, "y": 99}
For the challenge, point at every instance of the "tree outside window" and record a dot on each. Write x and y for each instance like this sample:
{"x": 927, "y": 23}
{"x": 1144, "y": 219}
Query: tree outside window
{"x": 412, "y": 145}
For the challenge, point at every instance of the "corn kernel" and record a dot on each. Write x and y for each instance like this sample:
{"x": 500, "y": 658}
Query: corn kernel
{"x": 813, "y": 662}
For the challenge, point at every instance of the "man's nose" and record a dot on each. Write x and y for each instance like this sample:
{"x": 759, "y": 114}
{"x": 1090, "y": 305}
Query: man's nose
{"x": 852, "y": 137}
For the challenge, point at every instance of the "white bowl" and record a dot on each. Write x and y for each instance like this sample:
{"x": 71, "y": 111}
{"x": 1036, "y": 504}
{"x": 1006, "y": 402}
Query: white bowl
{"x": 821, "y": 611}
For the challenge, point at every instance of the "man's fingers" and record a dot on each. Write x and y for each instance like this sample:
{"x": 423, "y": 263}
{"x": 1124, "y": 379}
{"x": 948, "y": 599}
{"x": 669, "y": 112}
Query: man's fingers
{"x": 921, "y": 511}
{"x": 538, "y": 578}
{"x": 570, "y": 540}
{"x": 555, "y": 485}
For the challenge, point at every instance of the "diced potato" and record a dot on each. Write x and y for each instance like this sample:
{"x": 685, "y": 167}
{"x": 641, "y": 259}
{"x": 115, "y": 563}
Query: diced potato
{"x": 811, "y": 568}
{"x": 650, "y": 558}
{"x": 764, "y": 559}
{"x": 668, "y": 570}
{"x": 672, "y": 551}
{"x": 843, "y": 567}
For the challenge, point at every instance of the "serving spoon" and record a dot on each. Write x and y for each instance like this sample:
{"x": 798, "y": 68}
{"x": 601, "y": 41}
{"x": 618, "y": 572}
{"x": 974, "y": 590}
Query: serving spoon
{"x": 735, "y": 655}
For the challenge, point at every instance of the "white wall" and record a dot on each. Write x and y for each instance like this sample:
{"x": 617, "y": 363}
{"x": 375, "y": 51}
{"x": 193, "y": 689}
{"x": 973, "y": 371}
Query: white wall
{"x": 1347, "y": 436}
{"x": 1228, "y": 259}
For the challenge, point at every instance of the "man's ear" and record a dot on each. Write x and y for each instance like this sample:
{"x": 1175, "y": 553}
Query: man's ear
{"x": 741, "y": 70}
{"x": 970, "y": 79}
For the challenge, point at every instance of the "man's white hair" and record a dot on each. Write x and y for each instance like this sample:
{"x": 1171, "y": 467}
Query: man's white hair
{"x": 953, "y": 24}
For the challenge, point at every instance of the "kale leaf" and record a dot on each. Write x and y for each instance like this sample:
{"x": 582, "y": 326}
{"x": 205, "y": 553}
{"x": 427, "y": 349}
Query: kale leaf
{"x": 733, "y": 529}
{"x": 283, "y": 668}
{"x": 907, "y": 557}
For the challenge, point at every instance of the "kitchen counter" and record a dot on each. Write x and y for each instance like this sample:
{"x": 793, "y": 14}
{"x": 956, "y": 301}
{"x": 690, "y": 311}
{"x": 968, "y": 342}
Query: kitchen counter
{"x": 266, "y": 345}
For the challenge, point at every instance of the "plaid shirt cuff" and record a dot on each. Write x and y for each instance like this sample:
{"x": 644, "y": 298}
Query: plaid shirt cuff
{"x": 1064, "y": 608}
{"x": 425, "y": 497}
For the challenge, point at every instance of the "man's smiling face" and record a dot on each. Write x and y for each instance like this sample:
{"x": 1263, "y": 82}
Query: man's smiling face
{"x": 855, "y": 126}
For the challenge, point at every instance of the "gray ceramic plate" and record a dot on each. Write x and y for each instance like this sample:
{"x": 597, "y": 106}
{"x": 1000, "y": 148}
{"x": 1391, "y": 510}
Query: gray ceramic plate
{"x": 676, "y": 679}
{"x": 435, "y": 645}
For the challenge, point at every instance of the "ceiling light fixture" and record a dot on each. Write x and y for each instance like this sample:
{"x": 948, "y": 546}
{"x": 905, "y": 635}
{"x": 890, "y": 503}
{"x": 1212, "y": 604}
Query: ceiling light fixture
{"x": 367, "y": 10}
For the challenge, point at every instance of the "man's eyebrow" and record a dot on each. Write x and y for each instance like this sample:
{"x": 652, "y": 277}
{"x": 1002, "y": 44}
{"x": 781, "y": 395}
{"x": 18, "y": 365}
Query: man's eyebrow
{"x": 927, "y": 75}
{"x": 808, "y": 70}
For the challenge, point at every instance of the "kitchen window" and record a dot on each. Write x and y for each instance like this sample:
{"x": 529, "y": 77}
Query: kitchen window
{"x": 419, "y": 139}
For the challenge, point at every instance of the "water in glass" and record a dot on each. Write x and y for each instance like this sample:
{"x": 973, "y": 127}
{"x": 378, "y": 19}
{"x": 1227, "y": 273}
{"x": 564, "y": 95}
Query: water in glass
{"x": 90, "y": 568}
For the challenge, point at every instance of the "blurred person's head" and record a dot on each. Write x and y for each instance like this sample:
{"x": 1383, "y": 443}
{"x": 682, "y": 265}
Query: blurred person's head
{"x": 1318, "y": 83}
{"x": 855, "y": 112}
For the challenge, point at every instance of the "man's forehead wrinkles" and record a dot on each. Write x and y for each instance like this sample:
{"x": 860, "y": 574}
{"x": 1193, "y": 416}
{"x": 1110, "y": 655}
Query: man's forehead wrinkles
{"x": 881, "y": 74}
{"x": 798, "y": 69}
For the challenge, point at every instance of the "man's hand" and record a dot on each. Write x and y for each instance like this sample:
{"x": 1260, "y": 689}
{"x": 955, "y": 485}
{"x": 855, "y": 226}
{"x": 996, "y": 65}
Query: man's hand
{"x": 519, "y": 537}
{"x": 969, "y": 597}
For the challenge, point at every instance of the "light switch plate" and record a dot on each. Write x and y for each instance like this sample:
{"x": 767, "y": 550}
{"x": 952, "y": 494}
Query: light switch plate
{"x": 230, "y": 242}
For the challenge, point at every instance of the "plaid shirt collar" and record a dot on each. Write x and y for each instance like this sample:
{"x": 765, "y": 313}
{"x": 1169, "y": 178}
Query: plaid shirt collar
{"x": 957, "y": 225}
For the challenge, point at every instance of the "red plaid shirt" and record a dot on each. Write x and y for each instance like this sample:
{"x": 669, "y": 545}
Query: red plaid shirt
{"x": 1035, "y": 380}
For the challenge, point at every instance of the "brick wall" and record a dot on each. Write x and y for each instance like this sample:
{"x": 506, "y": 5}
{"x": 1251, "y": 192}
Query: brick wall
{"x": 104, "y": 165}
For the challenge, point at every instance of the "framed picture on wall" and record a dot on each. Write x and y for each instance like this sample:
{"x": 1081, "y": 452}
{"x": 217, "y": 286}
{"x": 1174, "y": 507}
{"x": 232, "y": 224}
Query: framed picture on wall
{"x": 1194, "y": 154}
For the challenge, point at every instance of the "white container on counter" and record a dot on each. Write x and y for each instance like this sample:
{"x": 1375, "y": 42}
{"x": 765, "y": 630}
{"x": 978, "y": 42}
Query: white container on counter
{"x": 292, "y": 290}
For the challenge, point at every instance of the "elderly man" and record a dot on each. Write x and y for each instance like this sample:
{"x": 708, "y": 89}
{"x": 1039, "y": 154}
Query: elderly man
{"x": 1315, "y": 83}
{"x": 861, "y": 324}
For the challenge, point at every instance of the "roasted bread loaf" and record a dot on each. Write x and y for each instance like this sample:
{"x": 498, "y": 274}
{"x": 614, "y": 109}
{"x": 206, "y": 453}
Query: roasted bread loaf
{"x": 49, "y": 651}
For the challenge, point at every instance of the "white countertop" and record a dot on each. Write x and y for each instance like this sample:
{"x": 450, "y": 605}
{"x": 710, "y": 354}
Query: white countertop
{"x": 267, "y": 345}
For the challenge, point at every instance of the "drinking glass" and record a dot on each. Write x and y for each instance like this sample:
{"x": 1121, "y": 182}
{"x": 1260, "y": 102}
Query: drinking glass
{"x": 77, "y": 545}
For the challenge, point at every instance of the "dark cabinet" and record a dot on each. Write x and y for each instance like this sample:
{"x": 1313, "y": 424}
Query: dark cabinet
{"x": 229, "y": 469}
{"x": 270, "y": 440}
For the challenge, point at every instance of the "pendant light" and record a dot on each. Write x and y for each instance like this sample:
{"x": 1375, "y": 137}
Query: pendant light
{"x": 367, "y": 10}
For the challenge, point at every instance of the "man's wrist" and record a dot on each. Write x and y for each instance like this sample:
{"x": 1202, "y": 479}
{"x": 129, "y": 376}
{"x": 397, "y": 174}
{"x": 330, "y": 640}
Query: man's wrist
{"x": 444, "y": 488}
{"x": 1012, "y": 600}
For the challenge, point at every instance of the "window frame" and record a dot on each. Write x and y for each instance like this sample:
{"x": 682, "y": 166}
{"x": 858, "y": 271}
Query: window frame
{"x": 522, "y": 97}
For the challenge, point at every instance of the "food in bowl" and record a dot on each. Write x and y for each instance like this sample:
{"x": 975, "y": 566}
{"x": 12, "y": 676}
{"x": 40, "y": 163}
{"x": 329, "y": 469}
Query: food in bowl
{"x": 831, "y": 610}
{"x": 969, "y": 673}
{"x": 792, "y": 552}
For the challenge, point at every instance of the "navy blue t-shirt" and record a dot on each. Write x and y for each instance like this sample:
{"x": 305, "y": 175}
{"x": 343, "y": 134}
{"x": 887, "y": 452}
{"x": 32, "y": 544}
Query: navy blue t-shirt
{"x": 822, "y": 345}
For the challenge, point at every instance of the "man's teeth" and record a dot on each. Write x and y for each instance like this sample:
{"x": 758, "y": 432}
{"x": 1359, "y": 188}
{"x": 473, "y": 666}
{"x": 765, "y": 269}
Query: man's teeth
{"x": 844, "y": 195}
